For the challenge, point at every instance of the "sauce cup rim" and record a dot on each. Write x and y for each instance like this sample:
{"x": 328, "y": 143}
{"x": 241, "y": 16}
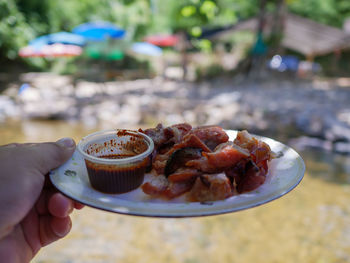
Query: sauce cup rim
{"x": 90, "y": 139}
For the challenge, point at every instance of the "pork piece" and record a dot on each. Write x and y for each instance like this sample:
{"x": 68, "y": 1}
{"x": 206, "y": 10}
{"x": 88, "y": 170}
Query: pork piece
{"x": 235, "y": 172}
{"x": 225, "y": 156}
{"x": 156, "y": 186}
{"x": 160, "y": 187}
{"x": 251, "y": 181}
{"x": 179, "y": 131}
{"x": 166, "y": 137}
{"x": 259, "y": 150}
{"x": 176, "y": 189}
{"x": 245, "y": 140}
{"x": 210, "y": 187}
{"x": 247, "y": 176}
{"x": 159, "y": 163}
{"x": 184, "y": 175}
{"x": 180, "y": 157}
{"x": 189, "y": 141}
{"x": 158, "y": 135}
{"x": 250, "y": 173}
{"x": 211, "y": 136}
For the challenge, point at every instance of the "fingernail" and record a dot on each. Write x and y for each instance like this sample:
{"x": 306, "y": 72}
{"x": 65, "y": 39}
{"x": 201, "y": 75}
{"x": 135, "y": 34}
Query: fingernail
{"x": 66, "y": 142}
{"x": 70, "y": 209}
{"x": 69, "y": 226}
{"x": 65, "y": 230}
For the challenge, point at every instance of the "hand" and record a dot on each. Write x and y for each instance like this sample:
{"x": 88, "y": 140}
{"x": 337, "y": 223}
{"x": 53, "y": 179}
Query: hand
{"x": 32, "y": 214}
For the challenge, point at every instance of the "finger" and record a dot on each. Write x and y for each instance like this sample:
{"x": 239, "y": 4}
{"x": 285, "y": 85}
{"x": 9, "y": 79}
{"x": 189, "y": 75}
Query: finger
{"x": 42, "y": 203}
{"x": 49, "y": 186}
{"x": 78, "y": 205}
{"x": 60, "y": 206}
{"x": 61, "y": 226}
{"x": 53, "y": 228}
{"x": 50, "y": 155}
{"x": 11, "y": 145}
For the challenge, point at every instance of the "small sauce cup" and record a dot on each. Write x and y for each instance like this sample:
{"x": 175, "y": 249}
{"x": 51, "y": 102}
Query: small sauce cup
{"x": 116, "y": 160}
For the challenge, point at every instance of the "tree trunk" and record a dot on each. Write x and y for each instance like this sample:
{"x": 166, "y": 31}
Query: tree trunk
{"x": 262, "y": 17}
{"x": 277, "y": 28}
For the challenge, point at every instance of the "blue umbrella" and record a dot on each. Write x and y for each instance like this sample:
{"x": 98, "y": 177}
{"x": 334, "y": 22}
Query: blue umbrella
{"x": 99, "y": 31}
{"x": 60, "y": 37}
{"x": 145, "y": 48}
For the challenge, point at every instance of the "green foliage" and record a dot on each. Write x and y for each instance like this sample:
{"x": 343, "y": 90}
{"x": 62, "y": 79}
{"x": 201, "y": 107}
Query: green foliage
{"x": 187, "y": 15}
{"x": 14, "y": 31}
{"x": 203, "y": 45}
{"x": 330, "y": 12}
{"x": 209, "y": 72}
{"x": 335, "y": 66}
{"x": 23, "y": 20}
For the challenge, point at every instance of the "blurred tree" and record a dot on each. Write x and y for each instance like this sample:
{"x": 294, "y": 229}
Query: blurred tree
{"x": 192, "y": 15}
{"x": 276, "y": 35}
{"x": 23, "y": 20}
{"x": 330, "y": 12}
{"x": 14, "y": 31}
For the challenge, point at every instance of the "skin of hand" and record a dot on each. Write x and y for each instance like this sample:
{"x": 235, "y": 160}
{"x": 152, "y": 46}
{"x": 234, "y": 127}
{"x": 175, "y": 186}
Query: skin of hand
{"x": 32, "y": 213}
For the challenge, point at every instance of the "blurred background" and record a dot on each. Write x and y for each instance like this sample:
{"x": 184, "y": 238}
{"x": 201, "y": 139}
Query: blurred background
{"x": 279, "y": 68}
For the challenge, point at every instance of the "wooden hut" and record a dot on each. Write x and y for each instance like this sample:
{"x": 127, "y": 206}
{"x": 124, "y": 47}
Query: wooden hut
{"x": 300, "y": 34}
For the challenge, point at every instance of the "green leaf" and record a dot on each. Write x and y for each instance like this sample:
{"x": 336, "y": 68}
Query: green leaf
{"x": 187, "y": 11}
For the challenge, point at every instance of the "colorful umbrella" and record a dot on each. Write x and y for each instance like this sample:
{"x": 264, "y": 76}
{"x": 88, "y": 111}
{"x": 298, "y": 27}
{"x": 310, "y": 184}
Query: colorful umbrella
{"x": 60, "y": 37}
{"x": 55, "y": 50}
{"x": 163, "y": 40}
{"x": 99, "y": 31}
{"x": 145, "y": 48}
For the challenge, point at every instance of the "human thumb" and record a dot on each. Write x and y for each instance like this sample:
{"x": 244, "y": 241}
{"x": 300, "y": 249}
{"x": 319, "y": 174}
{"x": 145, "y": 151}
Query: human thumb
{"x": 66, "y": 142}
{"x": 50, "y": 155}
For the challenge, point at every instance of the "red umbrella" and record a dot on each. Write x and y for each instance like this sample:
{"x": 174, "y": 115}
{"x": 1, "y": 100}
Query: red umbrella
{"x": 163, "y": 40}
{"x": 55, "y": 50}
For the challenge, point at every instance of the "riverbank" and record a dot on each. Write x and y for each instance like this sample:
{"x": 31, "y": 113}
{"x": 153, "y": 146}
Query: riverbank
{"x": 315, "y": 113}
{"x": 310, "y": 224}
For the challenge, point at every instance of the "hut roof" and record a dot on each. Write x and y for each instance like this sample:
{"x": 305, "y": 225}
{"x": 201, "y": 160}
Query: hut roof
{"x": 303, "y": 35}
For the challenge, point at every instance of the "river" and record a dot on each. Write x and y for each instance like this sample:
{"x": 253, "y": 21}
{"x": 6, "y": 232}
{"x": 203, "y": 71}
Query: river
{"x": 310, "y": 224}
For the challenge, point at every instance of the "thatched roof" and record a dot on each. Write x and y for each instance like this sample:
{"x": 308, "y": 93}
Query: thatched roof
{"x": 301, "y": 34}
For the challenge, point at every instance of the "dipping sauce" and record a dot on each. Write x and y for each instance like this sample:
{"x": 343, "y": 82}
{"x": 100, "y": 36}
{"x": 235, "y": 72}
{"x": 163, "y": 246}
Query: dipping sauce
{"x": 116, "y": 161}
{"x": 116, "y": 156}
{"x": 116, "y": 179}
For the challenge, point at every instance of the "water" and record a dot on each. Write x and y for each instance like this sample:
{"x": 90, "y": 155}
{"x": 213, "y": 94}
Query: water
{"x": 310, "y": 224}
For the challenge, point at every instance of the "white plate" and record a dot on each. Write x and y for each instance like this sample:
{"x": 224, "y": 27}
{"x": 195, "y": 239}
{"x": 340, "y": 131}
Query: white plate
{"x": 285, "y": 173}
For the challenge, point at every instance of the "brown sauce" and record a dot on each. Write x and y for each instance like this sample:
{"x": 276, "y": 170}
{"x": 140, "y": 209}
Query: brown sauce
{"x": 110, "y": 178}
{"x": 113, "y": 179}
{"x": 133, "y": 147}
{"x": 116, "y": 156}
